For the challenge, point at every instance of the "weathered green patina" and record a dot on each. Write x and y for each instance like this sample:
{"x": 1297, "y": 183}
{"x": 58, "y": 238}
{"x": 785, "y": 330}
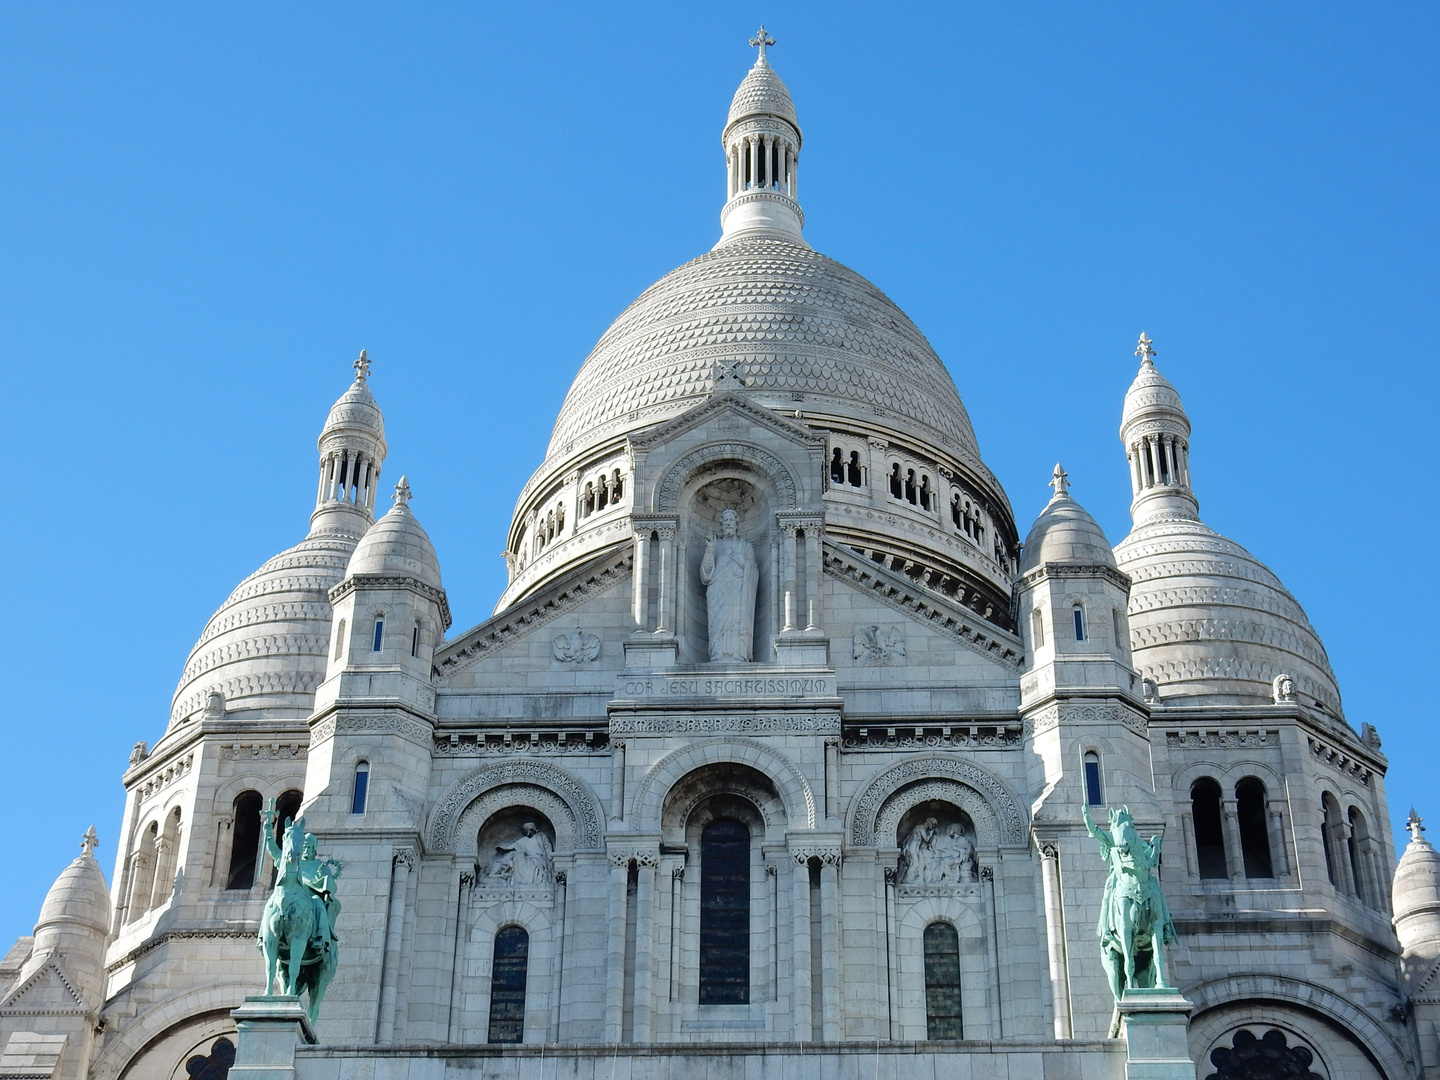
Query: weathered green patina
{"x": 1135, "y": 923}
{"x": 297, "y": 928}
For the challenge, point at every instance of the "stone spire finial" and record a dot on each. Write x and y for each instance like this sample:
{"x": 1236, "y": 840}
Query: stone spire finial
{"x": 1413, "y": 823}
{"x": 362, "y": 367}
{"x": 1060, "y": 481}
{"x": 1145, "y": 351}
{"x": 760, "y": 41}
{"x": 89, "y": 842}
{"x": 402, "y": 493}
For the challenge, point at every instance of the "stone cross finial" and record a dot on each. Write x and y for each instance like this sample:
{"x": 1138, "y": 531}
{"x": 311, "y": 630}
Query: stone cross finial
{"x": 402, "y": 492}
{"x": 760, "y": 41}
{"x": 89, "y": 842}
{"x": 1144, "y": 350}
{"x": 362, "y": 367}
{"x": 1413, "y": 823}
{"x": 1060, "y": 480}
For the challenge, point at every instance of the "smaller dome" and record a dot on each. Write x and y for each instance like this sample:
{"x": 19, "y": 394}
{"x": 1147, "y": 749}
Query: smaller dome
{"x": 79, "y": 895}
{"x": 761, "y": 93}
{"x": 1065, "y": 533}
{"x": 1151, "y": 393}
{"x": 356, "y": 409}
{"x": 397, "y": 545}
{"x": 1415, "y": 894}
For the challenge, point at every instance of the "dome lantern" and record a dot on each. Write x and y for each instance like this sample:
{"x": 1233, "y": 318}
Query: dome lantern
{"x": 762, "y": 149}
{"x": 1156, "y": 433}
{"x": 352, "y": 450}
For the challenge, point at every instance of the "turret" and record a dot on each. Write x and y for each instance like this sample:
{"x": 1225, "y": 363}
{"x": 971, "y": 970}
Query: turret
{"x": 55, "y": 1003}
{"x": 1415, "y": 896}
{"x": 762, "y": 151}
{"x": 352, "y": 450}
{"x": 1156, "y": 434}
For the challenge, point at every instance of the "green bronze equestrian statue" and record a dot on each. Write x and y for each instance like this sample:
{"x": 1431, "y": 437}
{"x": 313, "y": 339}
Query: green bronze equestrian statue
{"x": 1135, "y": 923}
{"x": 297, "y": 928}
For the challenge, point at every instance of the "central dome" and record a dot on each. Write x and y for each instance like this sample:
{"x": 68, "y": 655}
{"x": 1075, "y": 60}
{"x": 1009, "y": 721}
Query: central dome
{"x": 803, "y": 331}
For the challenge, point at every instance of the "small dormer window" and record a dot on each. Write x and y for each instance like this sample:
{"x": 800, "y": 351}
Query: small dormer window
{"x": 379, "y": 640}
{"x": 1078, "y": 613}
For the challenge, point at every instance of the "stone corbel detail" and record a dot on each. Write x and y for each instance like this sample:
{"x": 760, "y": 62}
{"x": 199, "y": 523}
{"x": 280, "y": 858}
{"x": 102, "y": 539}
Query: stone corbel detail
{"x": 828, "y": 856}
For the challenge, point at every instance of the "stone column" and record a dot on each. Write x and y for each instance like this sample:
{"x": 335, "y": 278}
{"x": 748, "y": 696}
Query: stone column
{"x": 1187, "y": 832}
{"x": 1136, "y": 474}
{"x": 813, "y": 575}
{"x": 465, "y": 887}
{"x": 402, "y": 862}
{"x": 644, "y": 946}
{"x": 830, "y": 944}
{"x": 164, "y": 868}
{"x": 1055, "y": 940}
{"x": 1279, "y": 852}
{"x": 1344, "y": 868}
{"x": 787, "y": 573}
{"x": 640, "y": 581}
{"x": 664, "y": 621}
{"x": 1234, "y": 854}
{"x": 832, "y": 778}
{"x": 617, "y": 780}
{"x": 800, "y": 950}
{"x": 615, "y": 950}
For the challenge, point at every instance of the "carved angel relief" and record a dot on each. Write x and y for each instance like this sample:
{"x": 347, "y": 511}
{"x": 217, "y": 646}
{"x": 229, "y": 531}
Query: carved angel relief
{"x": 577, "y": 647}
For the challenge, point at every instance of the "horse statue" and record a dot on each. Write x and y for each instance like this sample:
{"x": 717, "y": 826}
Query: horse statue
{"x": 1135, "y": 924}
{"x": 297, "y": 928}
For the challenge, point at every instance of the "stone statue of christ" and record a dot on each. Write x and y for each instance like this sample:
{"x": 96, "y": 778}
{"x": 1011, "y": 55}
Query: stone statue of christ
{"x": 731, "y": 579}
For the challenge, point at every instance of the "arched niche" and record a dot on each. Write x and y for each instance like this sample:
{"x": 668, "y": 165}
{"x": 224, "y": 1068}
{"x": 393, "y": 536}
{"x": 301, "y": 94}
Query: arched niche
{"x": 876, "y": 813}
{"x": 566, "y": 801}
{"x": 705, "y": 498}
{"x": 499, "y": 815}
{"x": 790, "y": 785}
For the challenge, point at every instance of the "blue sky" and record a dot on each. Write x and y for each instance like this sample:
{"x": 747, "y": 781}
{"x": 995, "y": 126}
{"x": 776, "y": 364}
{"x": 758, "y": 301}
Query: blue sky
{"x": 207, "y": 210}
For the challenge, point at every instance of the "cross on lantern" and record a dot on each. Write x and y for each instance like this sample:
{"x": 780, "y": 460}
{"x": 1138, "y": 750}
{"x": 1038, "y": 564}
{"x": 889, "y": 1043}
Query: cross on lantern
{"x": 759, "y": 41}
{"x": 362, "y": 366}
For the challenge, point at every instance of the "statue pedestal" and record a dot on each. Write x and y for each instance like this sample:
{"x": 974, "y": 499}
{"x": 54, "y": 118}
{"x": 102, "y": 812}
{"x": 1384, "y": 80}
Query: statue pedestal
{"x": 802, "y": 649}
{"x": 649, "y": 652}
{"x": 270, "y": 1030}
{"x": 1156, "y": 1025}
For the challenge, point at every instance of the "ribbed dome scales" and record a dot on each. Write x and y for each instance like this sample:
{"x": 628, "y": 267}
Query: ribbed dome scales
{"x": 762, "y": 93}
{"x": 795, "y": 320}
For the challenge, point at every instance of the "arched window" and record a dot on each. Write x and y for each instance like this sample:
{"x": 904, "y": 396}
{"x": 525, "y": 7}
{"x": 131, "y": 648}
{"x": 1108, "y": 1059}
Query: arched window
{"x": 1118, "y": 625}
{"x": 379, "y": 640}
{"x": 1037, "y": 628}
{"x": 942, "y": 982}
{"x": 167, "y": 852}
{"x": 588, "y": 506}
{"x": 837, "y": 466}
{"x": 287, "y": 809}
{"x": 1329, "y": 825}
{"x": 925, "y": 493}
{"x": 1094, "y": 794}
{"x": 955, "y": 512}
{"x": 897, "y": 485}
{"x": 1254, "y": 830}
{"x": 142, "y": 871}
{"x": 507, "y": 986}
{"x": 910, "y": 491}
{"x": 1078, "y": 613}
{"x": 340, "y": 640}
{"x": 415, "y": 640}
{"x": 602, "y": 498}
{"x": 1209, "y": 833}
{"x": 617, "y": 486}
{"x": 1359, "y": 834}
{"x": 725, "y": 913}
{"x": 361, "y": 788}
{"x": 244, "y": 840}
{"x": 853, "y": 469}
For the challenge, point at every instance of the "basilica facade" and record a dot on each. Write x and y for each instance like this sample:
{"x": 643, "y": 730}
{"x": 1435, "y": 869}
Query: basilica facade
{"x": 775, "y": 754}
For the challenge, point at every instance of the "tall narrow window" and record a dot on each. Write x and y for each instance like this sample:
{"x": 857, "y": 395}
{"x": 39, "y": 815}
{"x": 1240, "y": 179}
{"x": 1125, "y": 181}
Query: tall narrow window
{"x": 1079, "y": 614}
{"x": 1330, "y": 818}
{"x": 340, "y": 639}
{"x": 244, "y": 841}
{"x": 1093, "y": 794}
{"x": 942, "y": 982}
{"x": 1358, "y": 834}
{"x": 415, "y": 640}
{"x": 1037, "y": 629}
{"x": 362, "y": 787}
{"x": 507, "y": 986}
{"x": 1209, "y": 833}
{"x": 725, "y": 913}
{"x": 1254, "y": 831}
{"x": 379, "y": 641}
